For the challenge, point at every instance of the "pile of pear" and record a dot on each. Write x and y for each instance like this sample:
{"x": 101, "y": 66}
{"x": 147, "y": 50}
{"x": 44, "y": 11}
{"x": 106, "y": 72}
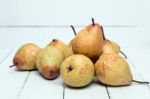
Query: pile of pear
{"x": 87, "y": 55}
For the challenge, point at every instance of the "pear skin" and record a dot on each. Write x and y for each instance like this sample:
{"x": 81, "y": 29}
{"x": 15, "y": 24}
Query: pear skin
{"x": 48, "y": 61}
{"x": 70, "y": 43}
{"x": 77, "y": 70}
{"x": 89, "y": 41}
{"x": 112, "y": 69}
{"x": 67, "y": 50}
{"x": 25, "y": 57}
{"x": 110, "y": 47}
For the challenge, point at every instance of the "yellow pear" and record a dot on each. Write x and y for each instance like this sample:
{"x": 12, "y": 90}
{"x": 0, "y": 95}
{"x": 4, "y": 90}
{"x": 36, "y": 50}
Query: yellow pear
{"x": 67, "y": 50}
{"x": 25, "y": 56}
{"x": 77, "y": 70}
{"x": 89, "y": 41}
{"x": 110, "y": 47}
{"x": 112, "y": 69}
{"x": 48, "y": 61}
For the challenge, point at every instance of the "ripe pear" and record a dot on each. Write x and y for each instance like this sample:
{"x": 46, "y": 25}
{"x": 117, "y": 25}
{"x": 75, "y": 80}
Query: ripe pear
{"x": 110, "y": 47}
{"x": 112, "y": 69}
{"x": 25, "y": 56}
{"x": 89, "y": 41}
{"x": 48, "y": 61}
{"x": 77, "y": 70}
{"x": 67, "y": 50}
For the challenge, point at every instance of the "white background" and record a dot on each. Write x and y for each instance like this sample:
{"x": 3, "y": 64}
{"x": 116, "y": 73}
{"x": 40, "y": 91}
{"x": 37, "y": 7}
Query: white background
{"x": 125, "y": 21}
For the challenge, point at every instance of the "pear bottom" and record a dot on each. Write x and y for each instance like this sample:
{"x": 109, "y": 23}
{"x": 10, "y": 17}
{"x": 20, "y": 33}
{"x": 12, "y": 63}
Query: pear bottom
{"x": 50, "y": 72}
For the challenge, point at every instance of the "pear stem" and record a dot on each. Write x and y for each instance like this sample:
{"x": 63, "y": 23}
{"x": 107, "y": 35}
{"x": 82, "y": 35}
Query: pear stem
{"x": 103, "y": 33}
{"x": 123, "y": 54}
{"x": 11, "y": 65}
{"x": 93, "y": 23}
{"x": 54, "y": 40}
{"x": 73, "y": 30}
{"x": 140, "y": 82}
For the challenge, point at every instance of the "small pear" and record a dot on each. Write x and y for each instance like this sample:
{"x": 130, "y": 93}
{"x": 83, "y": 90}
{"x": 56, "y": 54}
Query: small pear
{"x": 112, "y": 69}
{"x": 77, "y": 70}
{"x": 110, "y": 47}
{"x": 25, "y": 56}
{"x": 89, "y": 41}
{"x": 67, "y": 50}
{"x": 48, "y": 61}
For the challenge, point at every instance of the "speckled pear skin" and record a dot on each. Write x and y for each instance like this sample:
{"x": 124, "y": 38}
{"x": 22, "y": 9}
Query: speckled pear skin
{"x": 89, "y": 41}
{"x": 48, "y": 61}
{"x": 25, "y": 56}
{"x": 110, "y": 47}
{"x": 77, "y": 70}
{"x": 67, "y": 50}
{"x": 112, "y": 69}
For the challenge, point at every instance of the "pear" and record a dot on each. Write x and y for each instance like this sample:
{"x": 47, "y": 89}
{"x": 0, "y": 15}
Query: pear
{"x": 48, "y": 61}
{"x": 110, "y": 47}
{"x": 77, "y": 70}
{"x": 89, "y": 41}
{"x": 112, "y": 69}
{"x": 67, "y": 50}
{"x": 25, "y": 57}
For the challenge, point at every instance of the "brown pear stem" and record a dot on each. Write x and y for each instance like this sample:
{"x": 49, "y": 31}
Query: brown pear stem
{"x": 11, "y": 65}
{"x": 141, "y": 82}
{"x": 103, "y": 33}
{"x": 93, "y": 23}
{"x": 73, "y": 30}
{"x": 54, "y": 40}
{"x": 123, "y": 54}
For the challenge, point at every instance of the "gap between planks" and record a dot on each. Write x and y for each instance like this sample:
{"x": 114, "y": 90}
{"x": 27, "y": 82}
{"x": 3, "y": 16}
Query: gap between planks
{"x": 20, "y": 92}
{"x": 64, "y": 87}
{"x": 7, "y": 55}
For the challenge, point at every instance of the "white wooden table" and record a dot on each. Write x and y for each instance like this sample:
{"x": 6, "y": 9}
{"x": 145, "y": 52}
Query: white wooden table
{"x": 39, "y": 21}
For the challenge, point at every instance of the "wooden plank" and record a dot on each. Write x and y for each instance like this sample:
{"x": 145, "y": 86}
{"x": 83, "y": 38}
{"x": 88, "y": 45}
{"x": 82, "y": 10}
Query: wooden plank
{"x": 39, "y": 36}
{"x": 140, "y": 59}
{"x": 134, "y": 91}
{"x": 39, "y": 88}
{"x": 12, "y": 81}
{"x": 42, "y": 36}
{"x": 94, "y": 91}
{"x": 3, "y": 54}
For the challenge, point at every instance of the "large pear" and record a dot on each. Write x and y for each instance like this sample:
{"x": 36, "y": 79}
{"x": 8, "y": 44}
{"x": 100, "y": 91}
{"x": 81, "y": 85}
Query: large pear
{"x": 112, "y": 69}
{"x": 89, "y": 41}
{"x": 77, "y": 70}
